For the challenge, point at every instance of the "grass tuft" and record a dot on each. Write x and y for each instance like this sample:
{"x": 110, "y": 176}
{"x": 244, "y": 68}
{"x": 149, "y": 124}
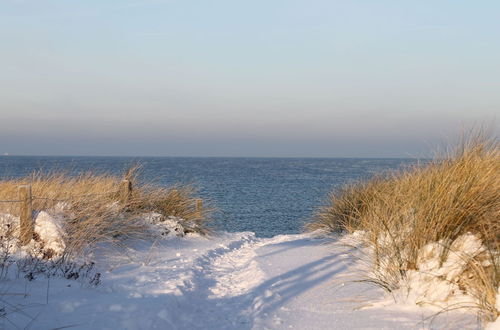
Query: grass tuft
{"x": 404, "y": 211}
{"x": 91, "y": 209}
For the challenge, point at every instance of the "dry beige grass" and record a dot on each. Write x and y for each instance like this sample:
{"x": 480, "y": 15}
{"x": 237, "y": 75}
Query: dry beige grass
{"x": 438, "y": 202}
{"x": 87, "y": 199}
{"x": 178, "y": 201}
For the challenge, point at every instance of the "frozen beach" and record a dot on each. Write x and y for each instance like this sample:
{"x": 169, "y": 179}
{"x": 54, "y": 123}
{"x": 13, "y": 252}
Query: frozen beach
{"x": 230, "y": 281}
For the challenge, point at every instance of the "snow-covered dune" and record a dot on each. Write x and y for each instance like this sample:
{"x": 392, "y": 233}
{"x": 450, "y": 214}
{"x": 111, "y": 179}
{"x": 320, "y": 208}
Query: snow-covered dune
{"x": 231, "y": 281}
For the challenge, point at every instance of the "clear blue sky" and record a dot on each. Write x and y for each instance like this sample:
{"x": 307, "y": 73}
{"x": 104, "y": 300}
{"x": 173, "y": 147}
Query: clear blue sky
{"x": 245, "y": 78}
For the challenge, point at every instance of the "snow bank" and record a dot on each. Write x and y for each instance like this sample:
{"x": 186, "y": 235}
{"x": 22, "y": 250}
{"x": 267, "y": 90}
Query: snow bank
{"x": 49, "y": 234}
{"x": 162, "y": 226}
{"x": 437, "y": 280}
{"x": 48, "y": 240}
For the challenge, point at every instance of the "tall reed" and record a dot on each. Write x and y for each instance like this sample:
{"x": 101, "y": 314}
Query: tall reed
{"x": 91, "y": 208}
{"x": 439, "y": 202}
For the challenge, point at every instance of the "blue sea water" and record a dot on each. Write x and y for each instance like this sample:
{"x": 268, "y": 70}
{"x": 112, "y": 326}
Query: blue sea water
{"x": 268, "y": 196}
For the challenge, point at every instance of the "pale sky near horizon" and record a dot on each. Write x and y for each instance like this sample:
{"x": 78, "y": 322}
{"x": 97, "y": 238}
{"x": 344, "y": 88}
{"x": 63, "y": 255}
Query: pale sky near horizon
{"x": 245, "y": 78}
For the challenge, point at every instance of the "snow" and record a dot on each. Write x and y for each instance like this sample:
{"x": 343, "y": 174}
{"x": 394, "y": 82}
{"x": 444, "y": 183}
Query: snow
{"x": 229, "y": 281}
{"x": 435, "y": 282}
{"x": 463, "y": 248}
{"x": 51, "y": 232}
{"x": 159, "y": 225}
{"x": 47, "y": 227}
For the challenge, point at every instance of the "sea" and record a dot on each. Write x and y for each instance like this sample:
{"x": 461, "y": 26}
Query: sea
{"x": 268, "y": 196}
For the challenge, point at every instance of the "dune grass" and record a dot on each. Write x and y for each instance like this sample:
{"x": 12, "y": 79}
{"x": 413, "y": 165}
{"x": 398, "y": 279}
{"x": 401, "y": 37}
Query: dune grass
{"x": 91, "y": 208}
{"x": 403, "y": 212}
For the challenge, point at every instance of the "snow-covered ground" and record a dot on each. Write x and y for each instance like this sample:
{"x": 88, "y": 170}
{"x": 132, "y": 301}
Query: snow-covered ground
{"x": 230, "y": 281}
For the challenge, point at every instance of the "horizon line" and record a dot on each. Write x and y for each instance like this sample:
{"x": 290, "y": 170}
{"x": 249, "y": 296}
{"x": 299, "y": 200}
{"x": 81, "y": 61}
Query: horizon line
{"x": 177, "y": 156}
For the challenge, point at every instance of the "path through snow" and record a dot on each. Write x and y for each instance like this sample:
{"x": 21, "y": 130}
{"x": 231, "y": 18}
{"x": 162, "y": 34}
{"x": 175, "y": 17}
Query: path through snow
{"x": 233, "y": 281}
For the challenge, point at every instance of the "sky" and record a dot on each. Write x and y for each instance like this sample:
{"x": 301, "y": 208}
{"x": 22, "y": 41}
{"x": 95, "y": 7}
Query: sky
{"x": 271, "y": 78}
